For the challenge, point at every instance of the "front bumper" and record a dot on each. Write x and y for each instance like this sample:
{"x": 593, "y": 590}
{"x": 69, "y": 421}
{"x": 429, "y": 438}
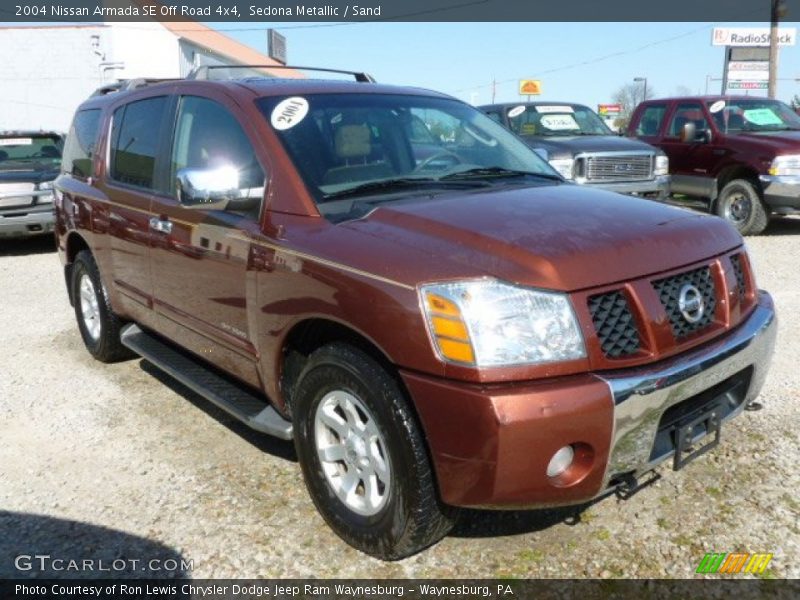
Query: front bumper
{"x": 781, "y": 193}
{"x": 659, "y": 186}
{"x": 27, "y": 221}
{"x": 491, "y": 444}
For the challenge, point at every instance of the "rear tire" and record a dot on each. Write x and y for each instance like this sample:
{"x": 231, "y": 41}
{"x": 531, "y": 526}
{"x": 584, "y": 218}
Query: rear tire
{"x": 363, "y": 457}
{"x": 98, "y": 324}
{"x": 740, "y": 204}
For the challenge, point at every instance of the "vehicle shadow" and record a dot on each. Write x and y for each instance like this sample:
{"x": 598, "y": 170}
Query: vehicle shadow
{"x": 779, "y": 226}
{"x": 113, "y": 553}
{"x": 265, "y": 443}
{"x": 40, "y": 244}
{"x": 476, "y": 523}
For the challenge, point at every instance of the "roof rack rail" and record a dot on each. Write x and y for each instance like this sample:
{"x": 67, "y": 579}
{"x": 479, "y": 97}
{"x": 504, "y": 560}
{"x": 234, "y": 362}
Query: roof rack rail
{"x": 126, "y": 85}
{"x": 202, "y": 72}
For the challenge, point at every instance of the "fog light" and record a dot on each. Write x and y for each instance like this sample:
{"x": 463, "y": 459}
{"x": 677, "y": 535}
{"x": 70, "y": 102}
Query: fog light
{"x": 560, "y": 462}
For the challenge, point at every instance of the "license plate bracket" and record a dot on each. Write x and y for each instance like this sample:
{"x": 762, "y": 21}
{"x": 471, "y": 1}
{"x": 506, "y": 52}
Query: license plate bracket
{"x": 688, "y": 446}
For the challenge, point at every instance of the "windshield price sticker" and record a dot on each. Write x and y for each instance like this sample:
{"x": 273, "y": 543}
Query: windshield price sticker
{"x": 559, "y": 122}
{"x": 762, "y": 116}
{"x": 16, "y": 141}
{"x": 289, "y": 113}
{"x": 516, "y": 111}
{"x": 554, "y": 109}
{"x": 717, "y": 106}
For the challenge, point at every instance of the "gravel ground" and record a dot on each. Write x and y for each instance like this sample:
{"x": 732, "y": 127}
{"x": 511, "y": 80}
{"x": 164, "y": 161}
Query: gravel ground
{"x": 118, "y": 462}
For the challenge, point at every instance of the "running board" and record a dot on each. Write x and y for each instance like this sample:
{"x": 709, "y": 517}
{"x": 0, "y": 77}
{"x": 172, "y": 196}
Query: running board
{"x": 246, "y": 406}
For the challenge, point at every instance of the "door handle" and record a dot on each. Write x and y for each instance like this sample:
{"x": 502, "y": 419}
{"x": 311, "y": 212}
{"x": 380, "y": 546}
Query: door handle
{"x": 162, "y": 226}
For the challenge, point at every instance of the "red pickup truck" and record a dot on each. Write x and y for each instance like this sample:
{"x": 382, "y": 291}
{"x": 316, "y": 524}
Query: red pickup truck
{"x": 741, "y": 154}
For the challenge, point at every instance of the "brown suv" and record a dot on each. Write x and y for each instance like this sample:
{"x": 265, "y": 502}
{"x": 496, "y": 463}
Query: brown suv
{"x": 401, "y": 286}
{"x": 739, "y": 154}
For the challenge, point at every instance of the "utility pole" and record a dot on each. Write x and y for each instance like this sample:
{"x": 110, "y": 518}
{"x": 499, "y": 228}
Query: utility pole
{"x": 494, "y": 88}
{"x": 777, "y": 10}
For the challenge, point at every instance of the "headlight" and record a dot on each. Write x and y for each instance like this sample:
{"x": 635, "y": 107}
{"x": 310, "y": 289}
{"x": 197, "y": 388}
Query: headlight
{"x": 662, "y": 165}
{"x": 788, "y": 164}
{"x": 563, "y": 166}
{"x": 487, "y": 323}
{"x": 45, "y": 198}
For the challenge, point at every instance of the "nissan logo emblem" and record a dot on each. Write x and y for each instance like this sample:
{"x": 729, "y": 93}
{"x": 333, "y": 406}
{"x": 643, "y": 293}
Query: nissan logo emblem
{"x": 690, "y": 303}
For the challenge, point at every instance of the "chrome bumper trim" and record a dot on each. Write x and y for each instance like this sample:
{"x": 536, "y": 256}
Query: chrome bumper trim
{"x": 642, "y": 396}
{"x": 781, "y": 191}
{"x": 659, "y": 185}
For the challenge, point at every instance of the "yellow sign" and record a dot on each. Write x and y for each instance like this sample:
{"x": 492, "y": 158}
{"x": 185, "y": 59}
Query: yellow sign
{"x": 530, "y": 87}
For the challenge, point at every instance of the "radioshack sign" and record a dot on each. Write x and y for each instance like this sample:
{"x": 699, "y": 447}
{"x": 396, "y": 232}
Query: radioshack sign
{"x": 751, "y": 36}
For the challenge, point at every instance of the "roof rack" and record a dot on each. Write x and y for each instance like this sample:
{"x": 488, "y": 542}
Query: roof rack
{"x": 203, "y": 71}
{"x": 127, "y": 85}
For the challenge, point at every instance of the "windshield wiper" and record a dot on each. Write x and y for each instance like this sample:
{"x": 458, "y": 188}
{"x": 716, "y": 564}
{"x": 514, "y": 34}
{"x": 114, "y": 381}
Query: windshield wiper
{"x": 495, "y": 172}
{"x": 399, "y": 183}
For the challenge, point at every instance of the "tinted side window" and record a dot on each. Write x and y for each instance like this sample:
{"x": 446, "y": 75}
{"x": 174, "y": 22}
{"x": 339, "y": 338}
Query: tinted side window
{"x": 81, "y": 141}
{"x": 652, "y": 117}
{"x": 685, "y": 113}
{"x": 135, "y": 137}
{"x": 209, "y": 137}
{"x": 494, "y": 116}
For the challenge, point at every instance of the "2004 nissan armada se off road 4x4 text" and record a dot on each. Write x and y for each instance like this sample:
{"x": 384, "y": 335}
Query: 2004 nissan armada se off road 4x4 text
{"x": 436, "y": 320}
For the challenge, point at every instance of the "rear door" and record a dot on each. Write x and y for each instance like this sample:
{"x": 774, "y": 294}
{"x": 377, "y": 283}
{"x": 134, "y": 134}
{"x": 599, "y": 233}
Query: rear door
{"x": 131, "y": 179}
{"x": 200, "y": 255}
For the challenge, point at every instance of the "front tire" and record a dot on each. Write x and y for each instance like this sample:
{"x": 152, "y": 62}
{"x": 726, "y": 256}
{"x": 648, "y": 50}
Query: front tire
{"x": 98, "y": 324}
{"x": 363, "y": 457}
{"x": 740, "y": 204}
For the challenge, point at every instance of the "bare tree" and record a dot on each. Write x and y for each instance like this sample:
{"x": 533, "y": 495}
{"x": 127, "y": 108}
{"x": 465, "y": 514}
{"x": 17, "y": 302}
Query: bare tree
{"x": 629, "y": 96}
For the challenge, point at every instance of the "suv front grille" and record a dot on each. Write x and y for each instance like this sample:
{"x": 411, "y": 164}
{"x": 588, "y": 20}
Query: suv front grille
{"x": 620, "y": 167}
{"x": 614, "y": 324}
{"x": 736, "y": 261}
{"x": 669, "y": 290}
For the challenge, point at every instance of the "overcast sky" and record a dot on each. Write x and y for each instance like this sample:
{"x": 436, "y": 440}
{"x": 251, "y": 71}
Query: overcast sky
{"x": 580, "y": 62}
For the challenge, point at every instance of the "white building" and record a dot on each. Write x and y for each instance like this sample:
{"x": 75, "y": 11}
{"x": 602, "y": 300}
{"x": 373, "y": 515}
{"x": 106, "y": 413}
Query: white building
{"x": 47, "y": 71}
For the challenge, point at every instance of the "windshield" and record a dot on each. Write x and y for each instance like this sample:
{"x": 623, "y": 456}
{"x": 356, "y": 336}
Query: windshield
{"x": 37, "y": 148}
{"x": 757, "y": 114}
{"x": 556, "y": 120}
{"x": 355, "y": 144}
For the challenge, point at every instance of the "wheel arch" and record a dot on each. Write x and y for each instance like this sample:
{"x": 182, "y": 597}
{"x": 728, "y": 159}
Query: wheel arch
{"x": 312, "y": 333}
{"x": 75, "y": 243}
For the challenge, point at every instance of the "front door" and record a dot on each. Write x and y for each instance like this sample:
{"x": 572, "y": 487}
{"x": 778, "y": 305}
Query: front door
{"x": 200, "y": 255}
{"x": 691, "y": 162}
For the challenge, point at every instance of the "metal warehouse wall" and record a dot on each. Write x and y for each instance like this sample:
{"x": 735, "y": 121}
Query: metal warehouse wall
{"x": 45, "y": 73}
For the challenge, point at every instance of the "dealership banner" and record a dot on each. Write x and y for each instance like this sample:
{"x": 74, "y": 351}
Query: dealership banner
{"x": 711, "y": 587}
{"x": 33, "y": 11}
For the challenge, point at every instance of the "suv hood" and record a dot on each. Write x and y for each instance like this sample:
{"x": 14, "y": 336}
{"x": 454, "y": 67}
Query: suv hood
{"x": 563, "y": 237}
{"x": 571, "y": 145}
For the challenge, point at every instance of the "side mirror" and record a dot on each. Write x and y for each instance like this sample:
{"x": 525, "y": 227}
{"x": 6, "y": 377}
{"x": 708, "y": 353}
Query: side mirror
{"x": 688, "y": 132}
{"x": 207, "y": 189}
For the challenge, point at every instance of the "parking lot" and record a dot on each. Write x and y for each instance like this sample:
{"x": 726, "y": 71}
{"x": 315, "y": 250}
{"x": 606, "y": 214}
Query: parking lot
{"x": 118, "y": 461}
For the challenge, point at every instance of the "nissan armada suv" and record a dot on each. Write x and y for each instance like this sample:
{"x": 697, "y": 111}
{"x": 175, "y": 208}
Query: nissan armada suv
{"x": 581, "y": 147}
{"x": 433, "y": 327}
{"x": 738, "y": 154}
